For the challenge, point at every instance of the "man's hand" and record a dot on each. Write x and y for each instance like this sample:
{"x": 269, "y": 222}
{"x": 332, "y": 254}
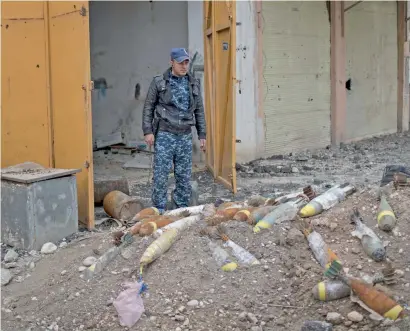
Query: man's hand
{"x": 149, "y": 139}
{"x": 202, "y": 143}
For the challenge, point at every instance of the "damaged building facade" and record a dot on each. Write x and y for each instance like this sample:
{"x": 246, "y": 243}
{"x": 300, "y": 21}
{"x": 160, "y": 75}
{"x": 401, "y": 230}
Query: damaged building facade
{"x": 277, "y": 77}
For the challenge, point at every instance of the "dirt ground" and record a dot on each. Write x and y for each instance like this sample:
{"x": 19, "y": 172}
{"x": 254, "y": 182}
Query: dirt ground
{"x": 47, "y": 292}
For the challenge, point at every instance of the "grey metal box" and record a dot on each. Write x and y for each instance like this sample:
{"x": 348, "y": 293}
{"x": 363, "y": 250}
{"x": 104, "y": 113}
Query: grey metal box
{"x": 38, "y": 206}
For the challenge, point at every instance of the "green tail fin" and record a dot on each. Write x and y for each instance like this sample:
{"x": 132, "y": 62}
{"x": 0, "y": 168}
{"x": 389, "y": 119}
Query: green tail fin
{"x": 334, "y": 269}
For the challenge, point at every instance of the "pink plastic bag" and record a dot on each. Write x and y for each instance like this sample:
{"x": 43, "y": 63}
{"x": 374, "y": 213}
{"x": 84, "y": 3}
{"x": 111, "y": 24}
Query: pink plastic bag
{"x": 129, "y": 304}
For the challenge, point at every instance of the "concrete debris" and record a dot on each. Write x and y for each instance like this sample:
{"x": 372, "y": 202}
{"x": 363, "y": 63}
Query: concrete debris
{"x": 243, "y": 316}
{"x": 193, "y": 303}
{"x": 108, "y": 140}
{"x": 10, "y": 265}
{"x": 140, "y": 161}
{"x": 89, "y": 261}
{"x": 294, "y": 236}
{"x": 103, "y": 186}
{"x": 252, "y": 318}
{"x": 316, "y": 326}
{"x": 334, "y": 318}
{"x": 48, "y": 248}
{"x": 63, "y": 244}
{"x": 6, "y": 277}
{"x": 11, "y": 256}
{"x": 354, "y": 316}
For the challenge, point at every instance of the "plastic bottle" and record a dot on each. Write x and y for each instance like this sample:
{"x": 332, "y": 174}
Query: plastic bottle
{"x": 221, "y": 257}
{"x": 331, "y": 290}
{"x": 385, "y": 216}
{"x": 327, "y": 200}
{"x": 284, "y": 212}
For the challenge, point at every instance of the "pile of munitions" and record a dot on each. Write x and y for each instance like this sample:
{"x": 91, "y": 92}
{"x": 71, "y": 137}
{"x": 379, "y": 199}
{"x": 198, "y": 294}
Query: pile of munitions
{"x": 262, "y": 213}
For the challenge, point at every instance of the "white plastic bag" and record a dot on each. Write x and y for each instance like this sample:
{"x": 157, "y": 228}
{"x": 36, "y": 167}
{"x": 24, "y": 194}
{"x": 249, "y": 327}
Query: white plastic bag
{"x": 129, "y": 304}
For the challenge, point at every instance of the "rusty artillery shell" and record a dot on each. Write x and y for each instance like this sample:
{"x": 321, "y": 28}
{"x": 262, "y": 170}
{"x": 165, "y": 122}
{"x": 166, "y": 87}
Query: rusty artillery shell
{"x": 377, "y": 300}
{"x": 243, "y": 214}
{"x": 222, "y": 216}
{"x": 145, "y": 212}
{"x": 121, "y": 206}
{"x": 148, "y": 227}
{"x": 228, "y": 204}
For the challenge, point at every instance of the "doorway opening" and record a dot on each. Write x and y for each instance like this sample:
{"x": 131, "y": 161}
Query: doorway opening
{"x": 130, "y": 43}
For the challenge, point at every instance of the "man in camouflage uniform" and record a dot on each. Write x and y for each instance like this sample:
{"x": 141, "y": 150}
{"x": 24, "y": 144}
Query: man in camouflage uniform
{"x": 173, "y": 105}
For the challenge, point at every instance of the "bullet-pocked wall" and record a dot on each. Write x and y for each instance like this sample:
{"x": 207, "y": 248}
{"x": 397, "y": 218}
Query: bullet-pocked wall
{"x": 130, "y": 43}
{"x": 371, "y": 68}
{"x": 296, "y": 75}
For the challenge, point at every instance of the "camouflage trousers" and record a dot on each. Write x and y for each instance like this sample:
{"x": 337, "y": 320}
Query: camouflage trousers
{"x": 172, "y": 149}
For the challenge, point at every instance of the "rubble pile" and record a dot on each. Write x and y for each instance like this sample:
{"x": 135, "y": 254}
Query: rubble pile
{"x": 218, "y": 273}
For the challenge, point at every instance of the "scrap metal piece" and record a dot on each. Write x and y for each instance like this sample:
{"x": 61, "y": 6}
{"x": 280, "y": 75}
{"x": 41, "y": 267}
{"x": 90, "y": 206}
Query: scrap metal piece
{"x": 386, "y": 275}
{"x": 401, "y": 179}
{"x": 309, "y": 192}
{"x": 389, "y": 172}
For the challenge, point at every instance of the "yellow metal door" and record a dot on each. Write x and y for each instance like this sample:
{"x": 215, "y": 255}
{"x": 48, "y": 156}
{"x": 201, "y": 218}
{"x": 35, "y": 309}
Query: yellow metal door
{"x": 220, "y": 65}
{"x": 25, "y": 108}
{"x": 71, "y": 97}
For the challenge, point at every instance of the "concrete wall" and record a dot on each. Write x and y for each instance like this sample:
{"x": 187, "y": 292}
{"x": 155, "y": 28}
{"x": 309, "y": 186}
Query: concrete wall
{"x": 196, "y": 45}
{"x": 249, "y": 126}
{"x": 371, "y": 56}
{"x": 130, "y": 43}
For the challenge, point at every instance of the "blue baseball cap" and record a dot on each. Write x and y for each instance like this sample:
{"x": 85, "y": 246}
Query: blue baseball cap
{"x": 179, "y": 54}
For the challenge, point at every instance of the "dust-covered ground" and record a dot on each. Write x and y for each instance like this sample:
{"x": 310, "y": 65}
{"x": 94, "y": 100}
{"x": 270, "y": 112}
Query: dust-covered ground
{"x": 48, "y": 292}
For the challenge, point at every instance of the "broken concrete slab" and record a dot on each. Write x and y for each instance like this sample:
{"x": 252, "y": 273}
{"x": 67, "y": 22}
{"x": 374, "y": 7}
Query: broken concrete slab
{"x": 140, "y": 161}
{"x": 108, "y": 140}
{"x": 103, "y": 186}
{"x": 6, "y": 277}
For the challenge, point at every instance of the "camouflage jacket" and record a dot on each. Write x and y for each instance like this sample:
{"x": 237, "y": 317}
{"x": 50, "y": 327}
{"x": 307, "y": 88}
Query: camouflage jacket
{"x": 160, "y": 111}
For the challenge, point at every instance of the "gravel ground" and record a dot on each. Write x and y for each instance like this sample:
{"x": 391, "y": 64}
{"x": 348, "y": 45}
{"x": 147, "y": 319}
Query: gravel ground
{"x": 187, "y": 291}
